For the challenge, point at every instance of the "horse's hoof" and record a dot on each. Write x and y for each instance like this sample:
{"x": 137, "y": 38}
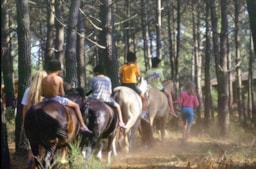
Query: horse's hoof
{"x": 63, "y": 161}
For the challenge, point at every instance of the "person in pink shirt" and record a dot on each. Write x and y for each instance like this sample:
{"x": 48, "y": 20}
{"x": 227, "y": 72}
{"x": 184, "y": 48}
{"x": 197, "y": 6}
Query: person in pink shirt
{"x": 188, "y": 101}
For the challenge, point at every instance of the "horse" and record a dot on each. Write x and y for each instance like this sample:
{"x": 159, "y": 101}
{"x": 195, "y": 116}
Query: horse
{"x": 131, "y": 107}
{"x": 158, "y": 111}
{"x": 103, "y": 121}
{"x": 54, "y": 126}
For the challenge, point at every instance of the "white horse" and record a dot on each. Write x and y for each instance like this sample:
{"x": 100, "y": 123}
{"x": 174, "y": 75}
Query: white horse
{"x": 131, "y": 107}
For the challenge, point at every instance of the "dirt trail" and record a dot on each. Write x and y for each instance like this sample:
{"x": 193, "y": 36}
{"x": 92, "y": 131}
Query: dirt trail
{"x": 200, "y": 151}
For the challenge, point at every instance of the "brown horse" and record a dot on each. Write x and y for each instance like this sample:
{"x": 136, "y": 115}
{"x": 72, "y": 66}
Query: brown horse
{"x": 158, "y": 111}
{"x": 103, "y": 121}
{"x": 54, "y": 126}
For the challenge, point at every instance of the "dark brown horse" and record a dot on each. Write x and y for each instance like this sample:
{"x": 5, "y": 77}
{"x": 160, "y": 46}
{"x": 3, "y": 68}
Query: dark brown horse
{"x": 54, "y": 126}
{"x": 103, "y": 121}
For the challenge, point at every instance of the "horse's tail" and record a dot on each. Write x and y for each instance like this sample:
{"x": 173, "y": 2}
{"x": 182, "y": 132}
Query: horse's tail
{"x": 38, "y": 123}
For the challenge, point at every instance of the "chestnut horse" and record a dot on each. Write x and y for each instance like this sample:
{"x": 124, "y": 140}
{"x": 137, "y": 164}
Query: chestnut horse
{"x": 54, "y": 126}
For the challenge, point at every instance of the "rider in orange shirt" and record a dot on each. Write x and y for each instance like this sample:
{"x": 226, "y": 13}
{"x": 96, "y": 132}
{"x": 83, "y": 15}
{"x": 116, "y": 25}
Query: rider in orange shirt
{"x": 129, "y": 73}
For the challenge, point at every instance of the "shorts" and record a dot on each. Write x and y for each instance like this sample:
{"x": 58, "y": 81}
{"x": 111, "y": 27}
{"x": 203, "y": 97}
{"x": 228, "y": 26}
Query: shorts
{"x": 187, "y": 114}
{"x": 110, "y": 102}
{"x": 61, "y": 100}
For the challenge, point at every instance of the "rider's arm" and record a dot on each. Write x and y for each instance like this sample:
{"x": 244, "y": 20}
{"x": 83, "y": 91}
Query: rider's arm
{"x": 61, "y": 89}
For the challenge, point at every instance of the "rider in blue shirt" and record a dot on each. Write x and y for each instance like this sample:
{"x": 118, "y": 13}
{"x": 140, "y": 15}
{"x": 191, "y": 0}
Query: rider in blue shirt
{"x": 101, "y": 89}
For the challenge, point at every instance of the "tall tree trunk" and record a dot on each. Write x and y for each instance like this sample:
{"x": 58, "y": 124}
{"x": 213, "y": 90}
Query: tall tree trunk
{"x": 49, "y": 47}
{"x": 7, "y": 77}
{"x": 81, "y": 71}
{"x": 170, "y": 37}
{"x": 59, "y": 41}
{"x": 222, "y": 73}
{"x": 24, "y": 60}
{"x": 230, "y": 81}
{"x": 108, "y": 55}
{"x": 238, "y": 96}
{"x": 195, "y": 47}
{"x": 127, "y": 29}
{"x": 251, "y": 86}
{"x": 144, "y": 20}
{"x": 251, "y": 5}
{"x": 198, "y": 64}
{"x": 70, "y": 54}
{"x": 158, "y": 30}
{"x": 176, "y": 61}
{"x": 150, "y": 39}
{"x": 215, "y": 37}
{"x": 6, "y": 59}
{"x": 5, "y": 154}
{"x": 207, "y": 74}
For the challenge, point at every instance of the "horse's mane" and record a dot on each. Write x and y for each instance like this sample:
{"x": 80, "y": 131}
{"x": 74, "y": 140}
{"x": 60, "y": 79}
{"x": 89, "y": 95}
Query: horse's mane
{"x": 75, "y": 91}
{"x": 143, "y": 85}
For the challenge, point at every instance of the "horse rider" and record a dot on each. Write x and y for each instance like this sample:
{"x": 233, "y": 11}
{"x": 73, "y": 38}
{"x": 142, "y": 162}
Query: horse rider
{"x": 155, "y": 78}
{"x": 53, "y": 89}
{"x": 101, "y": 89}
{"x": 129, "y": 73}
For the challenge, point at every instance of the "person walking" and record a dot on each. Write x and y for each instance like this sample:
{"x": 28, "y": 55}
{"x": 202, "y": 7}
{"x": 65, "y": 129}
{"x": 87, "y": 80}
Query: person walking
{"x": 188, "y": 101}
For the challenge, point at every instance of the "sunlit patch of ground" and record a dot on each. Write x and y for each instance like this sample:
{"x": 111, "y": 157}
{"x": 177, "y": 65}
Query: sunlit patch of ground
{"x": 202, "y": 151}
{"x": 205, "y": 150}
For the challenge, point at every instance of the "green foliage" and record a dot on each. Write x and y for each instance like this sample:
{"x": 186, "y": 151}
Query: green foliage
{"x": 76, "y": 159}
{"x": 10, "y": 115}
{"x": 214, "y": 94}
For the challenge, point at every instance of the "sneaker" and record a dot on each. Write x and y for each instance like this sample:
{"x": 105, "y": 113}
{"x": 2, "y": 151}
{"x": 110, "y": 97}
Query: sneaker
{"x": 85, "y": 130}
{"x": 145, "y": 116}
{"x": 122, "y": 125}
{"x": 173, "y": 114}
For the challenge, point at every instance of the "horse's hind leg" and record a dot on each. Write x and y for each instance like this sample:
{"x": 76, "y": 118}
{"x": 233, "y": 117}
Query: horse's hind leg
{"x": 111, "y": 147}
{"x": 49, "y": 155}
{"x": 99, "y": 154}
{"x": 36, "y": 162}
